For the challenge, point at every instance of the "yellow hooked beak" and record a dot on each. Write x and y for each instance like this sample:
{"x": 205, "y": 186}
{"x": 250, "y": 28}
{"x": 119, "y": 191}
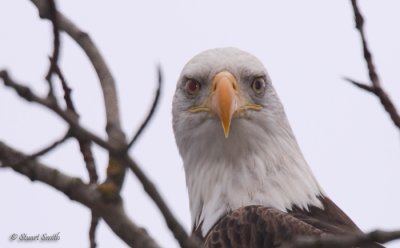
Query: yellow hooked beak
{"x": 225, "y": 100}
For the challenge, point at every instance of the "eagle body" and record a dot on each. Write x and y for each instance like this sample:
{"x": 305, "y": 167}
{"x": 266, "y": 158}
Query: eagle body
{"x": 242, "y": 163}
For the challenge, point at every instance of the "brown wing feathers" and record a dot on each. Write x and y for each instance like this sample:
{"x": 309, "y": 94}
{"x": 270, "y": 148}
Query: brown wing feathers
{"x": 257, "y": 226}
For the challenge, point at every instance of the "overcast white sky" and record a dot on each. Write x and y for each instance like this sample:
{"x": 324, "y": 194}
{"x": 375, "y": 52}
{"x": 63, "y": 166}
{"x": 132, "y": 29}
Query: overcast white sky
{"x": 307, "y": 46}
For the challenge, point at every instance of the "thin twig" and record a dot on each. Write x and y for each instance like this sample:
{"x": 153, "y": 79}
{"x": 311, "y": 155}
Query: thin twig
{"x": 152, "y": 109}
{"x": 56, "y": 38}
{"x": 359, "y": 85}
{"x": 67, "y": 90}
{"x": 375, "y": 87}
{"x": 50, "y": 147}
{"x": 345, "y": 241}
{"x": 56, "y": 48}
{"x": 44, "y": 150}
{"x": 92, "y": 230}
{"x": 367, "y": 54}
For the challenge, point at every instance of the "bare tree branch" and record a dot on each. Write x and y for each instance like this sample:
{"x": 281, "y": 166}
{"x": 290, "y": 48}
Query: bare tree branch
{"x": 375, "y": 87}
{"x": 107, "y": 82}
{"x": 116, "y": 144}
{"x": 152, "y": 109}
{"x": 114, "y": 214}
{"x": 344, "y": 241}
{"x": 113, "y": 127}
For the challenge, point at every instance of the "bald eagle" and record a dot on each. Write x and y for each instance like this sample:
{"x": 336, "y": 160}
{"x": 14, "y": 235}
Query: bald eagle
{"x": 248, "y": 182}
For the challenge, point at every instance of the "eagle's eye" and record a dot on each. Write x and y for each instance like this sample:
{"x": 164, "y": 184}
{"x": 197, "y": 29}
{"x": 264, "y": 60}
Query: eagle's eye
{"x": 258, "y": 86}
{"x": 192, "y": 87}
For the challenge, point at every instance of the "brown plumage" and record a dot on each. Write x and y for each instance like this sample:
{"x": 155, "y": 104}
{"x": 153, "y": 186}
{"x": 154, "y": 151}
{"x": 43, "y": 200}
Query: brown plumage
{"x": 257, "y": 226}
{"x": 263, "y": 227}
